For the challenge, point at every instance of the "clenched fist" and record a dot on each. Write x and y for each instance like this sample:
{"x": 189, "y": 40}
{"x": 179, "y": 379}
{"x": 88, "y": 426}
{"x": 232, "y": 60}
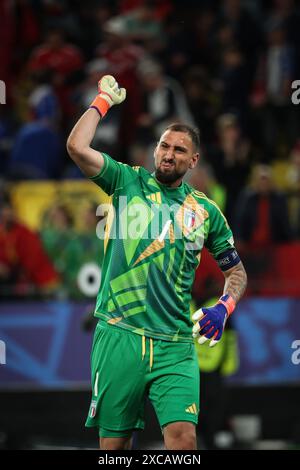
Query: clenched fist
{"x": 109, "y": 93}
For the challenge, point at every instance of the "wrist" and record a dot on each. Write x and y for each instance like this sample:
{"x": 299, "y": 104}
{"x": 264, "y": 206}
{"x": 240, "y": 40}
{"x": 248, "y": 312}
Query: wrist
{"x": 228, "y": 302}
{"x": 101, "y": 105}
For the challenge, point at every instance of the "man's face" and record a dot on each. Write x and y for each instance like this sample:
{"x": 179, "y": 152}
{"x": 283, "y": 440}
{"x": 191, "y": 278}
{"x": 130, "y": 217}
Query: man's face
{"x": 174, "y": 155}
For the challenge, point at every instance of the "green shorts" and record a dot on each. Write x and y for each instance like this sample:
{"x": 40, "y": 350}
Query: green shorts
{"x": 127, "y": 367}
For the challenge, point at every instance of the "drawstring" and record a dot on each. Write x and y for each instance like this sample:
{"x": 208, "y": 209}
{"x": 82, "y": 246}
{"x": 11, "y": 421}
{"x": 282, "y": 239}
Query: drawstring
{"x": 151, "y": 353}
{"x": 143, "y": 347}
{"x": 144, "y": 350}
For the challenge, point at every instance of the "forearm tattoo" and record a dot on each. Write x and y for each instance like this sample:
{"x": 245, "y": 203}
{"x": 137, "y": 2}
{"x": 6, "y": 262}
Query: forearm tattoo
{"x": 236, "y": 282}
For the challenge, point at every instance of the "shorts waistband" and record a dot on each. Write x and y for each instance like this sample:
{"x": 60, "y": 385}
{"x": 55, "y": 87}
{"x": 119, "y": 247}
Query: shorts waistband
{"x": 103, "y": 324}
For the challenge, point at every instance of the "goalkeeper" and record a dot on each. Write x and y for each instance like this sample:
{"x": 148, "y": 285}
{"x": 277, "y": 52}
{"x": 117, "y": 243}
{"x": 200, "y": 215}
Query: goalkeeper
{"x": 143, "y": 342}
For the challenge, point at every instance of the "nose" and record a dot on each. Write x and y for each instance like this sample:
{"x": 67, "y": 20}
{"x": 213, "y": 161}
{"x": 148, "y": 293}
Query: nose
{"x": 169, "y": 153}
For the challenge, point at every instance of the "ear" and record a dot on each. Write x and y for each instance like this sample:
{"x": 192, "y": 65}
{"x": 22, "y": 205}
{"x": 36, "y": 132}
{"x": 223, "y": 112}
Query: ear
{"x": 194, "y": 160}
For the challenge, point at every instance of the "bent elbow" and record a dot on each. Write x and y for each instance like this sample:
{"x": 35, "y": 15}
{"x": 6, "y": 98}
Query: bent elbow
{"x": 72, "y": 148}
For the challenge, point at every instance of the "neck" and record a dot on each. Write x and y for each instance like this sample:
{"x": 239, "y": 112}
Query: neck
{"x": 174, "y": 184}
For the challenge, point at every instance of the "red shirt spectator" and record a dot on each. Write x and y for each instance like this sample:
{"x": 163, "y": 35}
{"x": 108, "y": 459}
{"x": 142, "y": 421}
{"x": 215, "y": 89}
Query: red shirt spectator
{"x": 63, "y": 59}
{"x": 23, "y": 261}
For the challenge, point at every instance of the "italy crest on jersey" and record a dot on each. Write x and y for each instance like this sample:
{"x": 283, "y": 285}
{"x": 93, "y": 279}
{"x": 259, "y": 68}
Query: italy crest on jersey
{"x": 93, "y": 409}
{"x": 189, "y": 218}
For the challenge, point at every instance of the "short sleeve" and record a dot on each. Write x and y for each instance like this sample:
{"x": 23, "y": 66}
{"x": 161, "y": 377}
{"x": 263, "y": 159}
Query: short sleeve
{"x": 220, "y": 237}
{"x": 113, "y": 175}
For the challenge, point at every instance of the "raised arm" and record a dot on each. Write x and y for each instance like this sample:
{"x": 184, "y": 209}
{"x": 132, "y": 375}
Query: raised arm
{"x": 90, "y": 161}
{"x": 78, "y": 144}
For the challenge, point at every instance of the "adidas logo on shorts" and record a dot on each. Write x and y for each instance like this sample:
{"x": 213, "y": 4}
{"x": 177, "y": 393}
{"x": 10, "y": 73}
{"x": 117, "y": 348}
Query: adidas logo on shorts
{"x": 192, "y": 409}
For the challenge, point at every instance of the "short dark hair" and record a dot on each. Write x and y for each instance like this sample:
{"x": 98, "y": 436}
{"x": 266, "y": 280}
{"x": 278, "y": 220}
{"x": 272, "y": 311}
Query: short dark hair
{"x": 192, "y": 132}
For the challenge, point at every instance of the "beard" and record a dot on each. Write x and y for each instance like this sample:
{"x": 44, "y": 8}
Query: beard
{"x": 168, "y": 177}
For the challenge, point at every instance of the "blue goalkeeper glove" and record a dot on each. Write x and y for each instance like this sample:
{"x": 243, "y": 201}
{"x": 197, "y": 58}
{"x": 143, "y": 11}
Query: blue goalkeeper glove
{"x": 210, "y": 321}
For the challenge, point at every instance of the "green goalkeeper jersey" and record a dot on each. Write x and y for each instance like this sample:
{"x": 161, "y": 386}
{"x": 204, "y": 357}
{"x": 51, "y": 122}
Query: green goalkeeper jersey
{"x": 153, "y": 239}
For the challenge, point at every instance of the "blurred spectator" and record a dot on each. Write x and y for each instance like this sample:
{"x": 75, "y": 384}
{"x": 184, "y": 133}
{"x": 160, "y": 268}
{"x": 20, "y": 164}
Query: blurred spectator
{"x": 86, "y": 24}
{"x": 245, "y": 26}
{"x": 163, "y": 102}
{"x": 27, "y": 29}
{"x": 288, "y": 178}
{"x": 63, "y": 59}
{"x": 57, "y": 55}
{"x": 7, "y": 42}
{"x": 262, "y": 213}
{"x": 272, "y": 92}
{"x": 202, "y": 35}
{"x": 293, "y": 170}
{"x": 161, "y": 7}
{"x": 25, "y": 269}
{"x": 230, "y": 160}
{"x": 287, "y": 12}
{"x": 234, "y": 84}
{"x": 123, "y": 58}
{"x": 201, "y": 101}
{"x": 19, "y": 32}
{"x": 61, "y": 244}
{"x": 143, "y": 25}
{"x": 69, "y": 248}
{"x": 202, "y": 179}
{"x": 37, "y": 148}
{"x": 223, "y": 38}
{"x": 119, "y": 51}
{"x": 179, "y": 47}
{"x": 293, "y": 180}
{"x": 42, "y": 101}
{"x": 6, "y": 139}
{"x": 239, "y": 39}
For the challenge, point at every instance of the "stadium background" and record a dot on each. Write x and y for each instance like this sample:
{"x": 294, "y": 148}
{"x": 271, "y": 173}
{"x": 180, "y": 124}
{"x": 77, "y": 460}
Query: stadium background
{"x": 224, "y": 66}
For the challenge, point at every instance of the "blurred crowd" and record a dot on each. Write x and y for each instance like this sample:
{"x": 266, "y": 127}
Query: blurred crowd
{"x": 58, "y": 260}
{"x": 226, "y": 67}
